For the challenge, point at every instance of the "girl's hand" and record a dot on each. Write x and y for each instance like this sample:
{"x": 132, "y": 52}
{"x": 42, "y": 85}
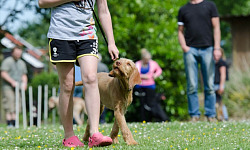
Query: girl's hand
{"x": 220, "y": 91}
{"x": 113, "y": 51}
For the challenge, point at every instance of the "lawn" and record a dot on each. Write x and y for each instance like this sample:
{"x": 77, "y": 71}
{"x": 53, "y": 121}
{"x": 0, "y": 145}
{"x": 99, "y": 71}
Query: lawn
{"x": 160, "y": 136}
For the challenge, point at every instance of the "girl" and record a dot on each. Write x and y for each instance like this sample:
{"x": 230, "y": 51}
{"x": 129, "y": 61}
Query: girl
{"x": 72, "y": 38}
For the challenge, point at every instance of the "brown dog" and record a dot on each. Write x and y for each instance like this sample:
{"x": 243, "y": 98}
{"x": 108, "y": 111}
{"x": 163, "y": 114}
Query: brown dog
{"x": 78, "y": 107}
{"x": 116, "y": 90}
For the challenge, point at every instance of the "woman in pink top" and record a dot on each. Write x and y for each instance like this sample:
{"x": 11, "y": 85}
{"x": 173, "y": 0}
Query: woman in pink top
{"x": 149, "y": 70}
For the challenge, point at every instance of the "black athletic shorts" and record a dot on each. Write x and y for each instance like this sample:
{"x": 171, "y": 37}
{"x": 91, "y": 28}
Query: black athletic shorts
{"x": 70, "y": 51}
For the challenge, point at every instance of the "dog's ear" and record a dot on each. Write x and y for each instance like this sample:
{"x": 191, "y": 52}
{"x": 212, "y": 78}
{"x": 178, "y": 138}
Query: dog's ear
{"x": 111, "y": 73}
{"x": 134, "y": 78}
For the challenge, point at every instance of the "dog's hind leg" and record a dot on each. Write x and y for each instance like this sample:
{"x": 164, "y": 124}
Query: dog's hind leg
{"x": 101, "y": 109}
{"x": 126, "y": 133}
{"x": 114, "y": 132}
{"x": 87, "y": 132}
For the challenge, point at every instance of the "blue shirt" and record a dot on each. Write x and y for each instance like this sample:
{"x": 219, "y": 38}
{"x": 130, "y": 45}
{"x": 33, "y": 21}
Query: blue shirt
{"x": 78, "y": 73}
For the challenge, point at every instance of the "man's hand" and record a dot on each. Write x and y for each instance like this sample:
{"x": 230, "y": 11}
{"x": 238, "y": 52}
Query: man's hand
{"x": 186, "y": 49}
{"x": 13, "y": 84}
{"x": 24, "y": 86}
{"x": 113, "y": 51}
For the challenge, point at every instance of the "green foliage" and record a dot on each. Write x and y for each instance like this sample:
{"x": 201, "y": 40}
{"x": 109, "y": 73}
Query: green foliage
{"x": 35, "y": 33}
{"x": 237, "y": 96}
{"x": 233, "y": 8}
{"x": 44, "y": 78}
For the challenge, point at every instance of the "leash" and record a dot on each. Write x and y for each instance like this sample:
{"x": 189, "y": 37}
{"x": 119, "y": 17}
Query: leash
{"x": 91, "y": 6}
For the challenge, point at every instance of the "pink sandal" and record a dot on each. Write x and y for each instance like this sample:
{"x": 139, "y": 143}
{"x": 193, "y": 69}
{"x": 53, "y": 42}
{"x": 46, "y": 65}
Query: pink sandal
{"x": 72, "y": 142}
{"x": 98, "y": 139}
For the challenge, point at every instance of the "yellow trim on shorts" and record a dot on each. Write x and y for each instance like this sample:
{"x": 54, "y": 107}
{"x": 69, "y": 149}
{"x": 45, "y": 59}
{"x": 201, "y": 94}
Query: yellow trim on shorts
{"x": 56, "y": 61}
{"x": 87, "y": 55}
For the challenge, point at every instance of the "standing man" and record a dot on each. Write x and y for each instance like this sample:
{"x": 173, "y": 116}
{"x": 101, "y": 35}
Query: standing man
{"x": 13, "y": 72}
{"x": 201, "y": 37}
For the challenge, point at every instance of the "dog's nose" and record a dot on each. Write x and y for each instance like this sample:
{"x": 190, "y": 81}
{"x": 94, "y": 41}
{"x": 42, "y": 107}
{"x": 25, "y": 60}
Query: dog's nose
{"x": 118, "y": 63}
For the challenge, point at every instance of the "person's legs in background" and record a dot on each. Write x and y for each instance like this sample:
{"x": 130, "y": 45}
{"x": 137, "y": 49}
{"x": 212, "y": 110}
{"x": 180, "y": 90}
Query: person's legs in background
{"x": 142, "y": 97}
{"x": 225, "y": 113}
{"x": 218, "y": 107}
{"x": 157, "y": 110}
{"x": 102, "y": 117}
{"x": 191, "y": 69}
{"x": 8, "y": 102}
{"x": 150, "y": 103}
{"x": 78, "y": 91}
{"x": 208, "y": 70}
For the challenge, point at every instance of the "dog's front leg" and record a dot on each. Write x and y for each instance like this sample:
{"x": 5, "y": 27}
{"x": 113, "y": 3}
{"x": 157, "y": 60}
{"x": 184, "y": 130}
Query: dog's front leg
{"x": 114, "y": 132}
{"x": 126, "y": 133}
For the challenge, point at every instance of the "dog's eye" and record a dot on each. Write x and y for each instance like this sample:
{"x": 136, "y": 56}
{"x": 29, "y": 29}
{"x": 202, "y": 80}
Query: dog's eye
{"x": 128, "y": 64}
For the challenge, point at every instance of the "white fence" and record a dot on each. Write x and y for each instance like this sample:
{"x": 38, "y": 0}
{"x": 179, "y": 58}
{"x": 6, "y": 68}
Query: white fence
{"x": 39, "y": 106}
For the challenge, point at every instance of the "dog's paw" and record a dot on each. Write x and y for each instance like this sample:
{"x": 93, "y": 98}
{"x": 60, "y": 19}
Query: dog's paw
{"x": 132, "y": 142}
{"x": 115, "y": 140}
{"x": 85, "y": 138}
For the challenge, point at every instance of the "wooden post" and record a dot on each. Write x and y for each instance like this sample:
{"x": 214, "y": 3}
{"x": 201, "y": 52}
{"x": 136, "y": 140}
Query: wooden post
{"x": 45, "y": 104}
{"x": 31, "y": 106}
{"x": 39, "y": 105}
{"x": 24, "y": 108}
{"x": 17, "y": 105}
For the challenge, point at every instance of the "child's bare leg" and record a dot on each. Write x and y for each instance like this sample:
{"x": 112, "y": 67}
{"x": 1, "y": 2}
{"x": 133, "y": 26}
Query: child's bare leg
{"x": 92, "y": 98}
{"x": 66, "y": 79}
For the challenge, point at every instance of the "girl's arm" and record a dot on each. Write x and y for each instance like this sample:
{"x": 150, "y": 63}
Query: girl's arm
{"x": 105, "y": 19}
{"x": 222, "y": 79}
{"x": 52, "y": 3}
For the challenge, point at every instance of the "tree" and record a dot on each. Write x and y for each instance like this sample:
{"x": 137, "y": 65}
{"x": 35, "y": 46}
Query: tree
{"x": 14, "y": 10}
{"x": 233, "y": 8}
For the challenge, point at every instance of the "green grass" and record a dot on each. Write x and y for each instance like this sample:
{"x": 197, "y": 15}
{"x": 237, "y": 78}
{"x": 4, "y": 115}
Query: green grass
{"x": 160, "y": 136}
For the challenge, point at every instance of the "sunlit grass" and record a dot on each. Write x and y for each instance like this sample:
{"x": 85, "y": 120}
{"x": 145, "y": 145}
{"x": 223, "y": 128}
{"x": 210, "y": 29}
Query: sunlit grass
{"x": 175, "y": 135}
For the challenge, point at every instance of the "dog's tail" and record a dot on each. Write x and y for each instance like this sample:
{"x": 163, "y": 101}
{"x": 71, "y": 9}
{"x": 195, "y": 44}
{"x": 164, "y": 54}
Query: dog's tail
{"x": 78, "y": 83}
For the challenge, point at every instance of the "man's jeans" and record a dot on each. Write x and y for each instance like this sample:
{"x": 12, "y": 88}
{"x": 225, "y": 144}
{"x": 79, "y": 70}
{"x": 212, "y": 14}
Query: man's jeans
{"x": 204, "y": 57}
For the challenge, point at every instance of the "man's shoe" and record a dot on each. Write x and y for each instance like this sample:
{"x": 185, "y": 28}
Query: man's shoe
{"x": 211, "y": 119}
{"x": 194, "y": 119}
{"x": 97, "y": 139}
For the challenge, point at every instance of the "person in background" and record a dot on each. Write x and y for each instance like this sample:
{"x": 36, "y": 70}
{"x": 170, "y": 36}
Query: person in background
{"x": 221, "y": 75}
{"x": 199, "y": 36}
{"x": 157, "y": 110}
{"x": 13, "y": 72}
{"x": 72, "y": 38}
{"x": 78, "y": 89}
{"x": 101, "y": 67}
{"x": 149, "y": 70}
